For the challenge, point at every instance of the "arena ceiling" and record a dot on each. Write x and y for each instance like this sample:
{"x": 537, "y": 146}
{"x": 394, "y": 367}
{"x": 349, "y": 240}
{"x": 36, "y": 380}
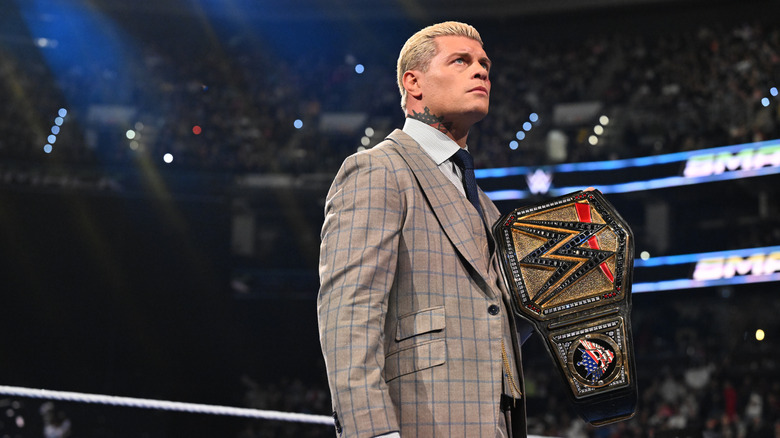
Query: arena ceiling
{"x": 374, "y": 9}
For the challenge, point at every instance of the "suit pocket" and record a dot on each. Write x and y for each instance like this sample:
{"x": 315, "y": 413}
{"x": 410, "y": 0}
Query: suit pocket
{"x": 415, "y": 358}
{"x": 420, "y": 322}
{"x": 419, "y": 342}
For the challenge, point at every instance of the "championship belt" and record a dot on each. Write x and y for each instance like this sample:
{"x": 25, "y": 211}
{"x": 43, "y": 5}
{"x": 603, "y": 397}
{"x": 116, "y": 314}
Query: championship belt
{"x": 568, "y": 265}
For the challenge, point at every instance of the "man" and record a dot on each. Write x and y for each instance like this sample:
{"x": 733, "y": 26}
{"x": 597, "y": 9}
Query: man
{"x": 415, "y": 321}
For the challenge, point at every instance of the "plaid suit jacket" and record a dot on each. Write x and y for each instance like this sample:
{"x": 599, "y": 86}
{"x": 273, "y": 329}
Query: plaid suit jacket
{"x": 406, "y": 283}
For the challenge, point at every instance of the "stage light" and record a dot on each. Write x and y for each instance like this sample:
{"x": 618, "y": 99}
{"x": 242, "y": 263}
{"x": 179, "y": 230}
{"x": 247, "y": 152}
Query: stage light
{"x": 760, "y": 335}
{"x": 369, "y": 132}
{"x": 168, "y": 158}
{"x": 45, "y": 42}
{"x": 598, "y": 129}
{"x": 773, "y": 91}
{"x": 765, "y": 101}
{"x": 55, "y": 130}
{"x": 196, "y": 130}
{"x": 513, "y": 145}
{"x": 298, "y": 123}
{"x": 130, "y": 134}
{"x": 604, "y": 120}
{"x": 644, "y": 255}
{"x": 359, "y": 69}
{"x": 365, "y": 141}
{"x": 593, "y": 140}
{"x": 527, "y": 126}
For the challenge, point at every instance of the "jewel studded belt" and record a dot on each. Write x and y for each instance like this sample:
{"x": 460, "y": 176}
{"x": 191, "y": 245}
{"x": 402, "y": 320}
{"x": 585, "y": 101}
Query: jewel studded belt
{"x": 568, "y": 265}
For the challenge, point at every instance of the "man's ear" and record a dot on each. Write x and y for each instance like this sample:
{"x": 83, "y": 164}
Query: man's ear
{"x": 411, "y": 82}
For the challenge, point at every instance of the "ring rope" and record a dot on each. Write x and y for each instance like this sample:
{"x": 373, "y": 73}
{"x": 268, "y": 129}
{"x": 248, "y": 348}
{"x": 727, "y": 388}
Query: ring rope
{"x": 113, "y": 400}
{"x": 164, "y": 405}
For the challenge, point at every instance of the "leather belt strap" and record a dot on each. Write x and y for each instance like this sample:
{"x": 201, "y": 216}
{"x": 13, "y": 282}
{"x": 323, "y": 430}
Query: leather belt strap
{"x": 508, "y": 402}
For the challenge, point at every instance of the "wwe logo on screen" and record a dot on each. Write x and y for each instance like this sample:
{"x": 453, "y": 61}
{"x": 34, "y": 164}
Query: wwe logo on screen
{"x": 539, "y": 182}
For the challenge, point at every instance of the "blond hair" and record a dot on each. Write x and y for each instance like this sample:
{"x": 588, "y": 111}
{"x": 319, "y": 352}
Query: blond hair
{"x": 420, "y": 48}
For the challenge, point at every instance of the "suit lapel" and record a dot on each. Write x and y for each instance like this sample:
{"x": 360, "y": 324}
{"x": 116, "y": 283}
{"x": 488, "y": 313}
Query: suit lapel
{"x": 453, "y": 211}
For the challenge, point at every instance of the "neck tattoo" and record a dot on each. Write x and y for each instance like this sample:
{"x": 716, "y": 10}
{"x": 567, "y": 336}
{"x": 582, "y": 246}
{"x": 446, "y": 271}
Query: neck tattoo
{"x": 431, "y": 119}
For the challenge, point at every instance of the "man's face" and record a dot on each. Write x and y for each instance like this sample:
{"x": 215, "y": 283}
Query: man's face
{"x": 456, "y": 85}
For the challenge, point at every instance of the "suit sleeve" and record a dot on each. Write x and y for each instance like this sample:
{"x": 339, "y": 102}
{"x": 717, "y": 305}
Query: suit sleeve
{"x": 358, "y": 258}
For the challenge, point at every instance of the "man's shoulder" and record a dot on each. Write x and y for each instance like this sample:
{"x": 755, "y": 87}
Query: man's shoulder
{"x": 397, "y": 142}
{"x": 392, "y": 149}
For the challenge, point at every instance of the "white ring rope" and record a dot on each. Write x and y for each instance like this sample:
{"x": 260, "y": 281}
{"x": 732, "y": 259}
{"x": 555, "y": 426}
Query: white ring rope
{"x": 143, "y": 403}
{"x": 164, "y": 405}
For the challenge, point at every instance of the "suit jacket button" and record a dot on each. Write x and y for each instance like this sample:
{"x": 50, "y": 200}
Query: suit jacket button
{"x": 493, "y": 309}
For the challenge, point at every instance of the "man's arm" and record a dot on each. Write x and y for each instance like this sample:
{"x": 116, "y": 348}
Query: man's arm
{"x": 358, "y": 258}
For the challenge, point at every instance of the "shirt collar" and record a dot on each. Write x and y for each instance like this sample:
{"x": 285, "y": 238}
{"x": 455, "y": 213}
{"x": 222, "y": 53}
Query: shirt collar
{"x": 434, "y": 142}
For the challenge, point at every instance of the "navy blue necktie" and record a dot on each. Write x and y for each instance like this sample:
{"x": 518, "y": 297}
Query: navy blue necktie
{"x": 463, "y": 159}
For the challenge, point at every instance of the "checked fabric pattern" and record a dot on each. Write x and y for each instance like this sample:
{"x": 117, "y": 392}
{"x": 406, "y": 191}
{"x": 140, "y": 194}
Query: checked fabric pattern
{"x": 407, "y": 282}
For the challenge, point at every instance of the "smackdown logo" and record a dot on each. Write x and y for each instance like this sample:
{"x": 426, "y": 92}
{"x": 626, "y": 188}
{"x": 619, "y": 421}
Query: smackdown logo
{"x": 718, "y": 268}
{"x": 749, "y": 158}
{"x": 738, "y": 266}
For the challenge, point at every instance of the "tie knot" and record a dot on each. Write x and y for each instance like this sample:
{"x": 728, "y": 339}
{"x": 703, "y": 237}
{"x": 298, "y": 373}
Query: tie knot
{"x": 463, "y": 159}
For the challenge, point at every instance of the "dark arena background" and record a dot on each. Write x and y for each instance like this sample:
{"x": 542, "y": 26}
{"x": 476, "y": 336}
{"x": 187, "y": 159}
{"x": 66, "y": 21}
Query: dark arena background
{"x": 163, "y": 168}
